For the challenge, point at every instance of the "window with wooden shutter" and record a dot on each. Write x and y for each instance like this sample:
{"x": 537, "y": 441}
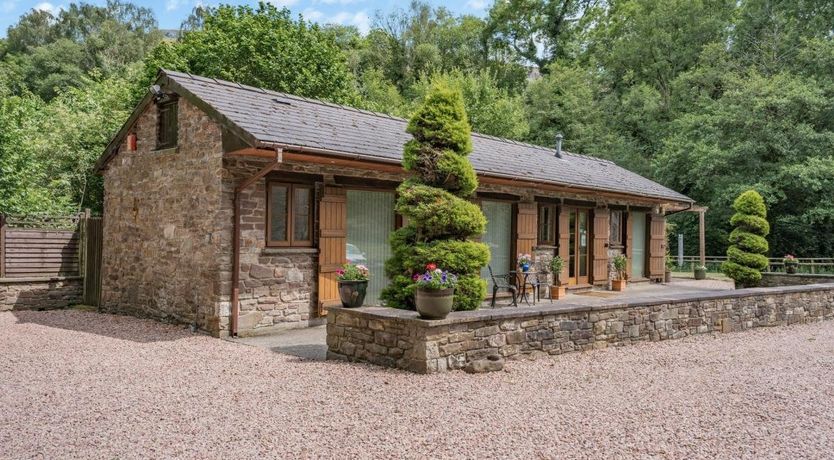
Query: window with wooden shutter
{"x": 289, "y": 219}
{"x": 166, "y": 127}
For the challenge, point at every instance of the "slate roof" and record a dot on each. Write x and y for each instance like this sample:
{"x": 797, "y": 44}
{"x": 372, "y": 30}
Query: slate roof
{"x": 278, "y": 118}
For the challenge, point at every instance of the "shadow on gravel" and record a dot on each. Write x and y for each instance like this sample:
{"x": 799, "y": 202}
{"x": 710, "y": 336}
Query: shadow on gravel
{"x": 315, "y": 352}
{"x": 114, "y": 326}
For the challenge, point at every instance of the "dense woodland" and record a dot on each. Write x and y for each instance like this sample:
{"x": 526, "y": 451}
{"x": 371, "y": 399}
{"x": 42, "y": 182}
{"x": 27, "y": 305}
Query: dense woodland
{"x": 709, "y": 97}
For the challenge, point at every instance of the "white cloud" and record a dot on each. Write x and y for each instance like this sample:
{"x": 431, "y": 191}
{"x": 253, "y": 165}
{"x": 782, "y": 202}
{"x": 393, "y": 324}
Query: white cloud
{"x": 338, "y": 2}
{"x": 476, "y": 4}
{"x": 360, "y": 20}
{"x": 172, "y": 5}
{"x": 283, "y": 3}
{"x": 8, "y": 6}
{"x": 311, "y": 14}
{"x": 49, "y": 8}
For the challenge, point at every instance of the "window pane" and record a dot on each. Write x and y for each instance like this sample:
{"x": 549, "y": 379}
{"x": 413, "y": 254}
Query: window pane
{"x": 278, "y": 213}
{"x": 499, "y": 237}
{"x": 615, "y": 231}
{"x": 370, "y": 221}
{"x": 301, "y": 214}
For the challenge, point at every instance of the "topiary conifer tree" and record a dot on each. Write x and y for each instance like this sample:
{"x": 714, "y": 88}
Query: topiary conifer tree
{"x": 435, "y": 200}
{"x": 748, "y": 246}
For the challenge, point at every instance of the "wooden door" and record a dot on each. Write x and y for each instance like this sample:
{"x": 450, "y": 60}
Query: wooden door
{"x": 599, "y": 250}
{"x": 657, "y": 246}
{"x": 332, "y": 244}
{"x": 578, "y": 246}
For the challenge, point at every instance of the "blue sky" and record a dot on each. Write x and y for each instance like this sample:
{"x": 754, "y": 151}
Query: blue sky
{"x": 170, "y": 13}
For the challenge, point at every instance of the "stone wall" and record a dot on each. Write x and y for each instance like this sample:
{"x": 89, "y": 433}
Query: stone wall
{"x": 784, "y": 279}
{"x": 40, "y": 293}
{"x": 162, "y": 223}
{"x": 397, "y": 338}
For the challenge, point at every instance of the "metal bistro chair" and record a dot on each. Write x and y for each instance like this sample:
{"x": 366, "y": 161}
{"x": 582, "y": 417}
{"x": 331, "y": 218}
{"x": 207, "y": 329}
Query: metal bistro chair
{"x": 503, "y": 281}
{"x": 536, "y": 281}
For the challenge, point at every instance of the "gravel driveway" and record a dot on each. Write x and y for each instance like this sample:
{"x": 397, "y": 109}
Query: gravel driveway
{"x": 85, "y": 385}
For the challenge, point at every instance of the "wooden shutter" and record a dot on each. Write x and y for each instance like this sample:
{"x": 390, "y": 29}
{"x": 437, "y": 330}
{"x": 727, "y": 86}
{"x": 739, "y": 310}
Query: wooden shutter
{"x": 600, "y": 247}
{"x": 332, "y": 245}
{"x": 526, "y": 226}
{"x": 657, "y": 246}
{"x": 564, "y": 241}
{"x": 629, "y": 242}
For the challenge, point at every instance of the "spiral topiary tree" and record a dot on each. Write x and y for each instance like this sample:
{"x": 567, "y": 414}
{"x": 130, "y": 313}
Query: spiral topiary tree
{"x": 435, "y": 200}
{"x": 748, "y": 246}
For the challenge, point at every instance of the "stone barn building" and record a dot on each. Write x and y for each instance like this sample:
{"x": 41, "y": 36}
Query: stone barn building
{"x": 231, "y": 207}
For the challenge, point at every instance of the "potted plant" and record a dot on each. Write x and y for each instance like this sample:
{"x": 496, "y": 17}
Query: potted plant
{"x": 620, "y": 267}
{"x": 791, "y": 264}
{"x": 435, "y": 292}
{"x": 557, "y": 291}
{"x": 670, "y": 264}
{"x": 353, "y": 284}
{"x": 700, "y": 272}
{"x": 524, "y": 261}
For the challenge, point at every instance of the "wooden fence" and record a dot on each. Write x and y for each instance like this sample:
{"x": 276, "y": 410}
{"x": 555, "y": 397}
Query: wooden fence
{"x": 53, "y": 246}
{"x": 813, "y": 265}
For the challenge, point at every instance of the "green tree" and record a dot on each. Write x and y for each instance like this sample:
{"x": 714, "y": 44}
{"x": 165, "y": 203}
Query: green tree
{"x": 261, "y": 47}
{"x": 746, "y": 256}
{"x": 491, "y": 110}
{"x": 539, "y": 31}
{"x": 435, "y": 200}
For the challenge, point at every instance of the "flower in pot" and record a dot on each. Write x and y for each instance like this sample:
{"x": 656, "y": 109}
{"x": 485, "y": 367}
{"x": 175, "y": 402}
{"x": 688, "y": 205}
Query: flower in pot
{"x": 791, "y": 264}
{"x": 557, "y": 290}
{"x": 620, "y": 267}
{"x": 524, "y": 261}
{"x": 353, "y": 284}
{"x": 700, "y": 272}
{"x": 435, "y": 292}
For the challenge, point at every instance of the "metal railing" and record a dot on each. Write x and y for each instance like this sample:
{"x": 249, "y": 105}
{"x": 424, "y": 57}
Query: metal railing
{"x": 813, "y": 265}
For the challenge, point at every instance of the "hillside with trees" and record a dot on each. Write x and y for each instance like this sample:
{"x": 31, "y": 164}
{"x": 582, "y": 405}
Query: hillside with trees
{"x": 709, "y": 97}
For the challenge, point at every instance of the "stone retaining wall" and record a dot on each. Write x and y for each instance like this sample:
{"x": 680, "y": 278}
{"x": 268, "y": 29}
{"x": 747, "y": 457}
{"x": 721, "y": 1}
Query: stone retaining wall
{"x": 40, "y": 293}
{"x": 397, "y": 338}
{"x": 784, "y": 279}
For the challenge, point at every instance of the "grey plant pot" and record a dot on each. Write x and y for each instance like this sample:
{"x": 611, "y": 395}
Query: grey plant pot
{"x": 433, "y": 304}
{"x": 352, "y": 293}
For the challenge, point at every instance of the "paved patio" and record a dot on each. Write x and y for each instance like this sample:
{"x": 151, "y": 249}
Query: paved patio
{"x": 309, "y": 343}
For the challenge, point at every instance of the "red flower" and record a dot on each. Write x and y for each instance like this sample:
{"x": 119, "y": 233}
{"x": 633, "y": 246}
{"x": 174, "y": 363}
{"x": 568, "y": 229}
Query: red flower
{"x": 431, "y": 267}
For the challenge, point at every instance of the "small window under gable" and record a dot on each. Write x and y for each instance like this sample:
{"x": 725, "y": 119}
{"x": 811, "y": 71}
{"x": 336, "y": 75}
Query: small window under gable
{"x": 166, "y": 122}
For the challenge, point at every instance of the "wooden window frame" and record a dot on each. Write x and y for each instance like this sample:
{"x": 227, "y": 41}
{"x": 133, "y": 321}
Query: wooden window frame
{"x": 552, "y": 238}
{"x": 290, "y": 241}
{"x": 616, "y": 239}
{"x": 170, "y": 104}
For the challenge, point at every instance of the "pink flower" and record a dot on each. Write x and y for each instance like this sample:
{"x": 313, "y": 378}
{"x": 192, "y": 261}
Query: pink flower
{"x": 431, "y": 267}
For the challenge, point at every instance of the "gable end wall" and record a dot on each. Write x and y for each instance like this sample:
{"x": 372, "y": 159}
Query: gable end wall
{"x": 163, "y": 225}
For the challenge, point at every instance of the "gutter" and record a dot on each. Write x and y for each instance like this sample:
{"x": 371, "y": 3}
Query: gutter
{"x": 235, "y": 313}
{"x": 679, "y": 210}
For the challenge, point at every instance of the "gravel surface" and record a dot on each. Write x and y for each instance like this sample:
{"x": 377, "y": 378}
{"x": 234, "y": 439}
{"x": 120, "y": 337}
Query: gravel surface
{"x": 85, "y": 385}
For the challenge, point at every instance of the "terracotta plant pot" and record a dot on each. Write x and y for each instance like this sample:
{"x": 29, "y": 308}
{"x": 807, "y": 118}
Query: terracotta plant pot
{"x": 618, "y": 285}
{"x": 700, "y": 274}
{"x": 352, "y": 293}
{"x": 557, "y": 292}
{"x": 433, "y": 304}
{"x": 790, "y": 269}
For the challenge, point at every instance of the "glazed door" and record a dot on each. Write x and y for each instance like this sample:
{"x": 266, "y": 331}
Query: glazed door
{"x": 578, "y": 260}
{"x": 638, "y": 244}
{"x": 499, "y": 238}
{"x": 370, "y": 220}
